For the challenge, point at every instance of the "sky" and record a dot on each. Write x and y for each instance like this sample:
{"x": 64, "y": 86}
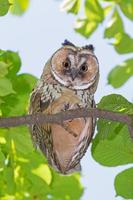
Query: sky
{"x": 36, "y": 36}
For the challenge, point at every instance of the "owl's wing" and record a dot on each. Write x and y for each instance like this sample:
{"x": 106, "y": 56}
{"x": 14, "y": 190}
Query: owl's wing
{"x": 39, "y": 132}
{"x": 84, "y": 141}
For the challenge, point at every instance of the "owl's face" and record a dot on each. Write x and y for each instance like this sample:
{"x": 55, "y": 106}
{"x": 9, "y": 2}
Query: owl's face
{"x": 74, "y": 67}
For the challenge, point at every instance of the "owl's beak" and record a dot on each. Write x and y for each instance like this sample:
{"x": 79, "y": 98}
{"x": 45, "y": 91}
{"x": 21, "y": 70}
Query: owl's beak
{"x": 74, "y": 73}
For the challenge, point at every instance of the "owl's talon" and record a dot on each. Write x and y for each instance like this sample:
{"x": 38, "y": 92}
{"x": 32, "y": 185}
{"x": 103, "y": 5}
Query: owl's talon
{"x": 66, "y": 106}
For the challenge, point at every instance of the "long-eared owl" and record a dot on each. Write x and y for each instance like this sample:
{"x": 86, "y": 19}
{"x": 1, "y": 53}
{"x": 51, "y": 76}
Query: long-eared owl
{"x": 69, "y": 81}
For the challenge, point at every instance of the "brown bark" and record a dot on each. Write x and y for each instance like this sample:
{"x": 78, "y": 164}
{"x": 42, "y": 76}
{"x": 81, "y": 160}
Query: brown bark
{"x": 67, "y": 115}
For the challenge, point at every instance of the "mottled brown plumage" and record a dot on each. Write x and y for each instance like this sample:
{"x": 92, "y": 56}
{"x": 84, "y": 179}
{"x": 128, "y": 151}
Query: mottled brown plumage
{"x": 69, "y": 81}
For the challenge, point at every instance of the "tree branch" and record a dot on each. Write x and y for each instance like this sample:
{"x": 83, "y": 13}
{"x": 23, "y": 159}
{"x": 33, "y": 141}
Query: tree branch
{"x": 67, "y": 115}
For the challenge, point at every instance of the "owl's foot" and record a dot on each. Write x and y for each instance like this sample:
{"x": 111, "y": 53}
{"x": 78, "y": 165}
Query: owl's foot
{"x": 67, "y": 107}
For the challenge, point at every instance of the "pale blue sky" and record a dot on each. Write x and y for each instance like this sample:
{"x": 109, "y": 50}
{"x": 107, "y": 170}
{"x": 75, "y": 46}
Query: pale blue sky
{"x": 36, "y": 35}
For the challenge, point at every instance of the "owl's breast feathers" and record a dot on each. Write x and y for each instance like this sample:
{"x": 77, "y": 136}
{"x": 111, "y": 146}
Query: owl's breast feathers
{"x": 61, "y": 148}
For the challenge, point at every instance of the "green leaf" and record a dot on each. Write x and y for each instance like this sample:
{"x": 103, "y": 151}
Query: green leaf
{"x": 4, "y": 7}
{"x": 66, "y": 187}
{"x": 113, "y": 145}
{"x": 17, "y": 104}
{"x": 9, "y": 180}
{"x": 71, "y": 6}
{"x": 116, "y": 102}
{"x": 43, "y": 172}
{"x": 114, "y": 152}
{"x": 94, "y": 16}
{"x": 2, "y": 159}
{"x": 121, "y": 73}
{"x": 1, "y": 101}
{"x": 5, "y": 87}
{"x": 123, "y": 43}
{"x": 85, "y": 27}
{"x": 112, "y": 0}
{"x": 21, "y": 139}
{"x": 19, "y": 6}
{"x": 12, "y": 60}
{"x": 24, "y": 83}
{"x": 3, "y": 69}
{"x": 107, "y": 10}
{"x": 94, "y": 11}
{"x": 127, "y": 8}
{"x": 114, "y": 26}
{"x": 124, "y": 183}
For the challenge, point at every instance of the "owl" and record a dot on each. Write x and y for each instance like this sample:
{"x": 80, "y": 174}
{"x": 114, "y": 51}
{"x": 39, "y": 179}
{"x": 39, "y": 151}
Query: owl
{"x": 69, "y": 81}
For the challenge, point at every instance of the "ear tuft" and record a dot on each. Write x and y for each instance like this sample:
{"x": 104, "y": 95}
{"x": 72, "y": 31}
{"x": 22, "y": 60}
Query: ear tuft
{"x": 67, "y": 42}
{"x": 90, "y": 47}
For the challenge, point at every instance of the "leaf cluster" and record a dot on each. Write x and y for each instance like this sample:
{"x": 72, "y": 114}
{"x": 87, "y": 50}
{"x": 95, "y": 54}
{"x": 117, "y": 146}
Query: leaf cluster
{"x": 111, "y": 14}
{"x": 16, "y": 7}
{"x": 24, "y": 172}
{"x": 112, "y": 145}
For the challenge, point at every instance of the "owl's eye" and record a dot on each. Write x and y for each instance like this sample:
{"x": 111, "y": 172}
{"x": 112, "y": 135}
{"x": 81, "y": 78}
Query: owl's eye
{"x": 84, "y": 67}
{"x": 66, "y": 64}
